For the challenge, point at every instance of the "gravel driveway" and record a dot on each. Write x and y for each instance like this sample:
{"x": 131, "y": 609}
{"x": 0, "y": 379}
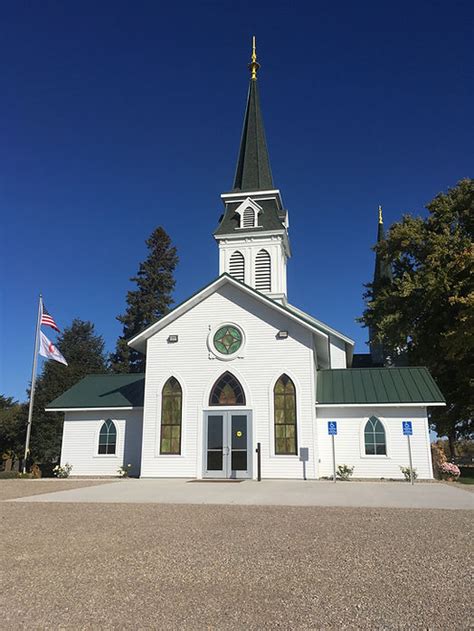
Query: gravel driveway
{"x": 151, "y": 566}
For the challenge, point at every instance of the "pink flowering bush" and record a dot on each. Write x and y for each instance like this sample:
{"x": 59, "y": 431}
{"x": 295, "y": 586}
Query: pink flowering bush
{"x": 449, "y": 470}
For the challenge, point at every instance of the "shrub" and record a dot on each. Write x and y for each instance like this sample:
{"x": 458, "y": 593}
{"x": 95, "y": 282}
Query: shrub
{"x": 124, "y": 471}
{"x": 406, "y": 473}
{"x": 448, "y": 471}
{"x": 438, "y": 456}
{"x": 62, "y": 472}
{"x": 8, "y": 475}
{"x": 344, "y": 472}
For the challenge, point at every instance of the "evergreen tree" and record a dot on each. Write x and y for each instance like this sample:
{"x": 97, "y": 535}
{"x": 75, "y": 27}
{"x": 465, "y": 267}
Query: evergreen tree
{"x": 427, "y": 311}
{"x": 149, "y": 302}
{"x": 84, "y": 352}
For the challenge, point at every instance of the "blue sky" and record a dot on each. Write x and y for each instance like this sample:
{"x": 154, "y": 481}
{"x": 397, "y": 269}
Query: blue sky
{"x": 118, "y": 117}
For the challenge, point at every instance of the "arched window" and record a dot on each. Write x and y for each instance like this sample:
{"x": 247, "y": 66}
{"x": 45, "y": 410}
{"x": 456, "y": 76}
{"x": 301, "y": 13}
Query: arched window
{"x": 263, "y": 279}
{"x": 284, "y": 397}
{"x": 248, "y": 218}
{"x": 374, "y": 436}
{"x": 107, "y": 437}
{"x": 171, "y": 413}
{"x": 227, "y": 391}
{"x": 237, "y": 266}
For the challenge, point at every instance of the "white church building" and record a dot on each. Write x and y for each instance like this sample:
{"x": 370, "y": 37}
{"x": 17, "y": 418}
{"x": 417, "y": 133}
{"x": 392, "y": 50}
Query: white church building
{"x": 236, "y": 366}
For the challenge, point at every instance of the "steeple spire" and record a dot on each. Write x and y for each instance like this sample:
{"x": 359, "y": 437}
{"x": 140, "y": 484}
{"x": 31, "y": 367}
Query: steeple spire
{"x": 383, "y": 269}
{"x": 254, "y": 65}
{"x": 253, "y": 171}
{"x": 382, "y": 274}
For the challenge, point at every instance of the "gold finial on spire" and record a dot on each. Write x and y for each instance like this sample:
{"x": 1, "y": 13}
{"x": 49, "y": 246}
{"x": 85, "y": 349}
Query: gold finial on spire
{"x": 380, "y": 215}
{"x": 254, "y": 65}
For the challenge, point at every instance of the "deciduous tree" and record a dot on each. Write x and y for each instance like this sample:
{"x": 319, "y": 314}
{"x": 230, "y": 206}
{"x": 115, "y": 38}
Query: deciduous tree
{"x": 427, "y": 311}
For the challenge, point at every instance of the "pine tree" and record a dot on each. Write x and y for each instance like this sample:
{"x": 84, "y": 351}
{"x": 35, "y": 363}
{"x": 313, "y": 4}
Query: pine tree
{"x": 427, "y": 311}
{"x": 84, "y": 352}
{"x": 149, "y": 302}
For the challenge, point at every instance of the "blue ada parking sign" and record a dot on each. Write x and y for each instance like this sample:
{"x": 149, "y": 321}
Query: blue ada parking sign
{"x": 332, "y": 428}
{"x": 407, "y": 428}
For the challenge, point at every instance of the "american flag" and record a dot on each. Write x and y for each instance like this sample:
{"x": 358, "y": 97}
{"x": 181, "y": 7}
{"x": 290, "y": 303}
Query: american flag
{"x": 48, "y": 319}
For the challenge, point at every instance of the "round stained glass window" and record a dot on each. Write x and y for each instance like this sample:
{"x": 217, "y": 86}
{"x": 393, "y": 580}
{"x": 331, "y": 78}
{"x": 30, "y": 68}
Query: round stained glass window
{"x": 227, "y": 340}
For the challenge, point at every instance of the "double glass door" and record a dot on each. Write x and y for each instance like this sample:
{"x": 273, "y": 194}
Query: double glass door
{"x": 227, "y": 445}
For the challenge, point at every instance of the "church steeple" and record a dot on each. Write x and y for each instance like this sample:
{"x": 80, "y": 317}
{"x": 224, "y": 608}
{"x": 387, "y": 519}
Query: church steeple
{"x": 383, "y": 270}
{"x": 382, "y": 274}
{"x": 253, "y": 231}
{"x": 253, "y": 171}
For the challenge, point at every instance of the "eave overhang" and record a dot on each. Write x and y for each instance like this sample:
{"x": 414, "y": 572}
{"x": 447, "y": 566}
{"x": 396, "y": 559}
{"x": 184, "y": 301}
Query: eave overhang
{"x": 139, "y": 341}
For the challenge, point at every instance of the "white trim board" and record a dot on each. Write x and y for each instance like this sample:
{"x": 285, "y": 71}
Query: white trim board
{"x": 136, "y": 407}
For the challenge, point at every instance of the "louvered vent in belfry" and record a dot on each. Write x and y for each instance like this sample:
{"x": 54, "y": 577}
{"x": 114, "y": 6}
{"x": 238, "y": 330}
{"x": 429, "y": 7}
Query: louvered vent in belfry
{"x": 237, "y": 266}
{"x": 248, "y": 220}
{"x": 263, "y": 281}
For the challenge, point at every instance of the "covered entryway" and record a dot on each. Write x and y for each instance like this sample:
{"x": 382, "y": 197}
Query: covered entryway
{"x": 227, "y": 444}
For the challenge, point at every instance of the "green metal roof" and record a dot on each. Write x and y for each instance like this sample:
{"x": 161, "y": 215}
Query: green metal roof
{"x": 361, "y": 386}
{"x": 103, "y": 391}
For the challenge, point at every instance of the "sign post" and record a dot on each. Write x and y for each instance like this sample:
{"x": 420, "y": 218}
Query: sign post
{"x": 332, "y": 431}
{"x": 408, "y": 431}
{"x": 304, "y": 457}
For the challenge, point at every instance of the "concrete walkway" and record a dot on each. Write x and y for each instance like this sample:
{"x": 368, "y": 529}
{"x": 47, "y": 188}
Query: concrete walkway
{"x": 268, "y": 493}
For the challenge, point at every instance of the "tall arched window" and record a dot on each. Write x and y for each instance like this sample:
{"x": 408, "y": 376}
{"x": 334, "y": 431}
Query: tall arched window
{"x": 237, "y": 266}
{"x": 171, "y": 413}
{"x": 227, "y": 391}
{"x": 248, "y": 218}
{"x": 107, "y": 438}
{"x": 284, "y": 396}
{"x": 263, "y": 278}
{"x": 374, "y": 436}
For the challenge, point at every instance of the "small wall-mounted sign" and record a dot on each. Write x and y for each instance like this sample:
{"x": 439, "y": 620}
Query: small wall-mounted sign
{"x": 304, "y": 454}
{"x": 172, "y": 339}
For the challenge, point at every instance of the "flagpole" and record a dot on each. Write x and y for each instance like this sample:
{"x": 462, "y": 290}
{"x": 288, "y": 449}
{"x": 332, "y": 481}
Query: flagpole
{"x": 33, "y": 383}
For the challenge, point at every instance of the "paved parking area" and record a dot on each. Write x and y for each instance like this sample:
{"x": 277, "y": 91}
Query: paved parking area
{"x": 268, "y": 493}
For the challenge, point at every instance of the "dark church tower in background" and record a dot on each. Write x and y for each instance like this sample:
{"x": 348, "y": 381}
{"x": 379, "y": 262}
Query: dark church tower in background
{"x": 382, "y": 275}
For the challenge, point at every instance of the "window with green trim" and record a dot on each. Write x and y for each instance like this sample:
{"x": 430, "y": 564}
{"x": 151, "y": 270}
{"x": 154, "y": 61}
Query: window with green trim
{"x": 284, "y": 397}
{"x": 171, "y": 414}
{"x": 107, "y": 438}
{"x": 374, "y": 437}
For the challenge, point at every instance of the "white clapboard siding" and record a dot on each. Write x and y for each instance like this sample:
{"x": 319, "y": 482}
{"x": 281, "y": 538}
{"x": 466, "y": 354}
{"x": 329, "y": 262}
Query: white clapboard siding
{"x": 80, "y": 442}
{"x": 350, "y": 446}
{"x": 263, "y": 281}
{"x": 248, "y": 219}
{"x": 260, "y": 362}
{"x": 237, "y": 266}
{"x": 337, "y": 350}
